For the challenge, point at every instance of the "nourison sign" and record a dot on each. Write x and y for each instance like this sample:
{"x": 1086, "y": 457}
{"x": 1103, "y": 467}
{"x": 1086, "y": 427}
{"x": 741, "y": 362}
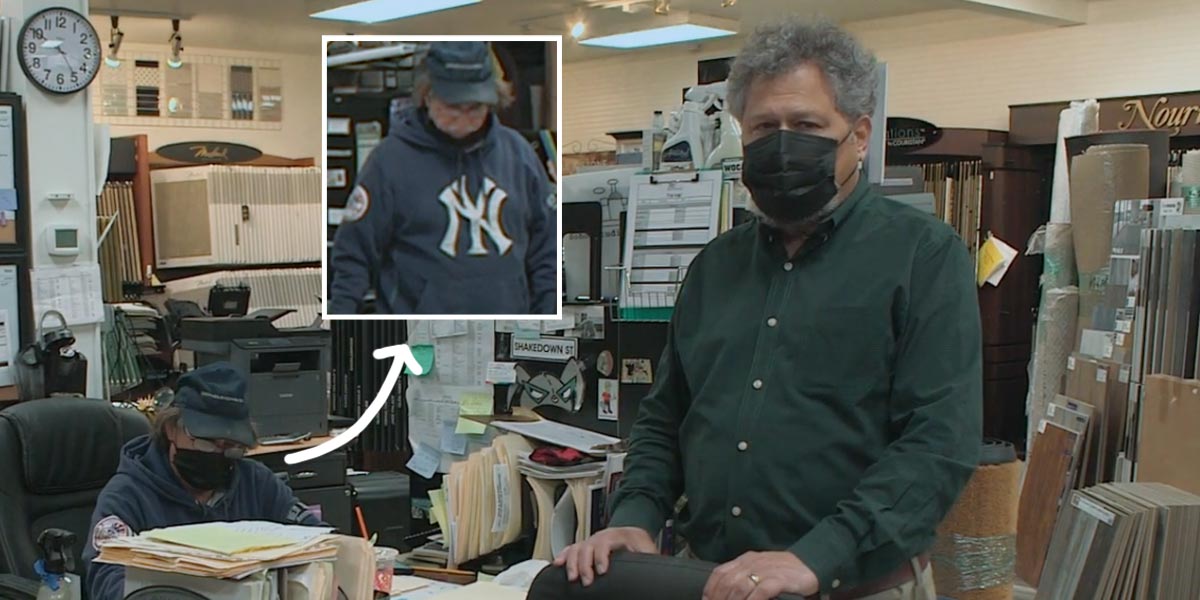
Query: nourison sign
{"x": 1177, "y": 114}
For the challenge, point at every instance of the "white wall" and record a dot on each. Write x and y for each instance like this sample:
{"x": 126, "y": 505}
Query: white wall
{"x": 300, "y": 136}
{"x": 60, "y": 157}
{"x": 954, "y": 68}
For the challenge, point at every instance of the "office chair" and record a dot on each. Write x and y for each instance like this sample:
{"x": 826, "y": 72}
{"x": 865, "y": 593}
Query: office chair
{"x": 56, "y": 454}
{"x": 632, "y": 577}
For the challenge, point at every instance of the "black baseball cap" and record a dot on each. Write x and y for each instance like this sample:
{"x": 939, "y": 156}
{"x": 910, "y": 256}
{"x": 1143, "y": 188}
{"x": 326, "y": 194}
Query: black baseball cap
{"x": 462, "y": 72}
{"x": 212, "y": 399}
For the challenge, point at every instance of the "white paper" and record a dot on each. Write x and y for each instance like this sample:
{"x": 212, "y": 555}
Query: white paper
{"x": 425, "y": 461}
{"x": 453, "y": 443}
{"x": 73, "y": 291}
{"x": 6, "y": 352}
{"x": 608, "y": 400}
{"x": 559, "y": 434}
{"x": 1009, "y": 253}
{"x": 445, "y": 329}
{"x": 430, "y": 405}
{"x": 462, "y": 360}
{"x": 296, "y": 534}
{"x": 6, "y": 148}
{"x": 500, "y": 482}
{"x": 552, "y": 326}
{"x": 589, "y": 322}
{"x": 501, "y": 373}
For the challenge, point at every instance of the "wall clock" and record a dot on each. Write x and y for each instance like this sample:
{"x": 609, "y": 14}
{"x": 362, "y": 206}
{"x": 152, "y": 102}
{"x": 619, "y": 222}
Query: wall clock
{"x": 59, "y": 50}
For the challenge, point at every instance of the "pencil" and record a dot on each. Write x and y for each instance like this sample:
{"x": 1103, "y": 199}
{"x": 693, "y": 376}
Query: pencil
{"x": 362, "y": 523}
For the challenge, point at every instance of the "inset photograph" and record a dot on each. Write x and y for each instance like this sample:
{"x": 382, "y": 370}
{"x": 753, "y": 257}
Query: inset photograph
{"x": 440, "y": 169}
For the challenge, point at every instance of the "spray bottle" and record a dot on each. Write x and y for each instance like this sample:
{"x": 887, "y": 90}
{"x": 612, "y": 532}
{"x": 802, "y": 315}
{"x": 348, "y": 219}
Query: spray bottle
{"x": 55, "y": 566}
{"x": 729, "y": 142}
{"x": 692, "y": 141}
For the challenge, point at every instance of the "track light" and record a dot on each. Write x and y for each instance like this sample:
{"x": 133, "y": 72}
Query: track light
{"x": 727, "y": 3}
{"x": 578, "y": 29}
{"x": 176, "y": 42}
{"x": 662, "y": 7}
{"x": 114, "y": 44}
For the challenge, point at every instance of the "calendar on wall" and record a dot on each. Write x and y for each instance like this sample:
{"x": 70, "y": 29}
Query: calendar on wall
{"x": 206, "y": 91}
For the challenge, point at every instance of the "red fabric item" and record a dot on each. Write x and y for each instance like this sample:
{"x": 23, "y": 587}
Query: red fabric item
{"x": 557, "y": 457}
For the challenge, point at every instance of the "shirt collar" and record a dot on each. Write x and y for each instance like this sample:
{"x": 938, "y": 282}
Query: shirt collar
{"x": 826, "y": 227}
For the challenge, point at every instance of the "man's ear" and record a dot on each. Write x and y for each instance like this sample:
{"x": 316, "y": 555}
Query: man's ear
{"x": 862, "y": 136}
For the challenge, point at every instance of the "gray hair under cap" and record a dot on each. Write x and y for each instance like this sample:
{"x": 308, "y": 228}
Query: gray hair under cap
{"x": 778, "y": 47}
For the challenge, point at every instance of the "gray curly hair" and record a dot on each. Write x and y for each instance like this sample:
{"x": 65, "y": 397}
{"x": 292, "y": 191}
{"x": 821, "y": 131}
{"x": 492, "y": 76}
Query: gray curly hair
{"x": 778, "y": 47}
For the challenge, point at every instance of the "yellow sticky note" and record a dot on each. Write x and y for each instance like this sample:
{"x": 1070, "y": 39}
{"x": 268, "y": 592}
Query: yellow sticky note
{"x": 438, "y": 499}
{"x": 473, "y": 405}
{"x": 990, "y": 259}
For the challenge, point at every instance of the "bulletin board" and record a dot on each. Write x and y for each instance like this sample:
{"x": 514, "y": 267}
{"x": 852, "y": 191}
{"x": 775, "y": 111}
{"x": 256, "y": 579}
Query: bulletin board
{"x": 14, "y": 190}
{"x": 16, "y": 327}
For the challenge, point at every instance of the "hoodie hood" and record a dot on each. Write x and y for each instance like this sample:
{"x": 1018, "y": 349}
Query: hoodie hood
{"x": 150, "y": 468}
{"x": 413, "y": 125}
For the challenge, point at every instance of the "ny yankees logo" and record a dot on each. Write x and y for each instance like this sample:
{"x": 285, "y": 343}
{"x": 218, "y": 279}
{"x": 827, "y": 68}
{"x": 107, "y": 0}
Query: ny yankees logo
{"x": 482, "y": 214}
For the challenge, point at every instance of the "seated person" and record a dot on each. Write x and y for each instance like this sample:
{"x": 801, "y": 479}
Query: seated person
{"x": 190, "y": 469}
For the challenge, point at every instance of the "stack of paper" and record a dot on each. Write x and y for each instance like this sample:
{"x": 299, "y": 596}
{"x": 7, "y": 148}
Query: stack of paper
{"x": 479, "y": 505}
{"x": 1125, "y": 541}
{"x": 223, "y": 550}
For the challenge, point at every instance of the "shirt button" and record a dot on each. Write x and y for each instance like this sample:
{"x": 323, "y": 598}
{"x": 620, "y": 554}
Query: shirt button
{"x": 757, "y": 384}
{"x": 772, "y": 322}
{"x": 742, "y": 446}
{"x": 737, "y": 511}
{"x": 837, "y": 583}
{"x": 787, "y": 266}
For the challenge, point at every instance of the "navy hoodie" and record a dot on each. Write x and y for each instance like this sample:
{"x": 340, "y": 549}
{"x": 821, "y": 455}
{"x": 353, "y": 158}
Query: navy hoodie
{"x": 146, "y": 494}
{"x": 440, "y": 227}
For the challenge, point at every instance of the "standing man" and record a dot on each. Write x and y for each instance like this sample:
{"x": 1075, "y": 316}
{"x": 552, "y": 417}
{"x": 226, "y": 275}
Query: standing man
{"x": 819, "y": 398}
{"x": 453, "y": 213}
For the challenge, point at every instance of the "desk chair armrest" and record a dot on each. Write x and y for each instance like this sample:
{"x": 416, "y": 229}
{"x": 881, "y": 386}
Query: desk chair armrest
{"x": 13, "y": 587}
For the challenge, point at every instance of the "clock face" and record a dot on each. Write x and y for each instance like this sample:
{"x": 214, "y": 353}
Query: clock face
{"x": 59, "y": 50}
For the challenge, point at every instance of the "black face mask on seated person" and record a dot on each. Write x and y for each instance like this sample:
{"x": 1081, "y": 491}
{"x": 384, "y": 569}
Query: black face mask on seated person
{"x": 201, "y": 470}
{"x": 792, "y": 175}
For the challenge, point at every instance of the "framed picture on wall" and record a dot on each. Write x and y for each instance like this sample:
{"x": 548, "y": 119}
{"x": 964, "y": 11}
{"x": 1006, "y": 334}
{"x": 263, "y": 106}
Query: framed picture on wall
{"x": 16, "y": 319}
{"x": 14, "y": 189}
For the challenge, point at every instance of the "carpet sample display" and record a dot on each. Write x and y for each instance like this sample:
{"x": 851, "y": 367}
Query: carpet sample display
{"x": 1081, "y": 118}
{"x": 975, "y": 552}
{"x": 1054, "y": 342}
{"x": 1099, "y": 178}
{"x": 1046, "y": 484}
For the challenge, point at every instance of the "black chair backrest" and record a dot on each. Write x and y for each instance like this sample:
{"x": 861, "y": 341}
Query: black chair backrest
{"x": 56, "y": 454}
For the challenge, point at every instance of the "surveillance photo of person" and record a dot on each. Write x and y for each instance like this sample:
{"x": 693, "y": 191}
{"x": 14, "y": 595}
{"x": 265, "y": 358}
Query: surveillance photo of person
{"x": 453, "y": 212}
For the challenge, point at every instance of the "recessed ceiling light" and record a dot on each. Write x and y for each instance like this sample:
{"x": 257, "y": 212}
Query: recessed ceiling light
{"x": 578, "y": 29}
{"x": 377, "y": 11}
{"x": 658, "y": 36}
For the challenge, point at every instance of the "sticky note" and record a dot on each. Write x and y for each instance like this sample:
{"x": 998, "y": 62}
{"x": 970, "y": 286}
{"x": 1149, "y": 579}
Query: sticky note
{"x": 425, "y": 461}
{"x": 473, "y": 404}
{"x": 438, "y": 499}
{"x": 452, "y": 441}
{"x": 424, "y": 356}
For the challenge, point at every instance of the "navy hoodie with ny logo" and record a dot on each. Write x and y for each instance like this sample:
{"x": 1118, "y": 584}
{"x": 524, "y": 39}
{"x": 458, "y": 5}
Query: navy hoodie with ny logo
{"x": 437, "y": 226}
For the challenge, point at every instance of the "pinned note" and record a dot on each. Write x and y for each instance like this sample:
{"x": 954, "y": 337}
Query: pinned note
{"x": 425, "y": 461}
{"x": 501, "y": 373}
{"x": 424, "y": 356}
{"x": 453, "y": 442}
{"x": 438, "y": 499}
{"x": 473, "y": 404}
{"x": 995, "y": 257}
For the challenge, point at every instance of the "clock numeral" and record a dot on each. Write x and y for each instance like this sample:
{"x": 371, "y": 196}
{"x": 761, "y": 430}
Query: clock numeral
{"x": 61, "y": 21}
{"x": 61, "y": 79}
{"x": 38, "y": 34}
{"x": 32, "y": 47}
{"x": 46, "y": 71}
{"x": 37, "y": 63}
{"x": 74, "y": 78}
{"x": 87, "y": 54}
{"x": 83, "y": 38}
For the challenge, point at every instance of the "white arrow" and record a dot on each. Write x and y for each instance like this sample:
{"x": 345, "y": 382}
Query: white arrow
{"x": 402, "y": 357}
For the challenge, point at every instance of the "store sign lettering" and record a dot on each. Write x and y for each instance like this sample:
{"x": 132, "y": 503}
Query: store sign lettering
{"x": 1159, "y": 115}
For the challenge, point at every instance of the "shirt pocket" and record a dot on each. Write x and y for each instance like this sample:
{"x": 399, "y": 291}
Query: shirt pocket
{"x": 844, "y": 352}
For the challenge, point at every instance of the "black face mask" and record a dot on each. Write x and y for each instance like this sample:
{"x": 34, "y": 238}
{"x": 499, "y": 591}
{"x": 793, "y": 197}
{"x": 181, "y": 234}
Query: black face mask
{"x": 791, "y": 175}
{"x": 204, "y": 470}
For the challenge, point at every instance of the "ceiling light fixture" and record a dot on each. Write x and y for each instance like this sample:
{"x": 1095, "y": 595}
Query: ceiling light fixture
{"x": 662, "y": 7}
{"x": 176, "y": 42}
{"x": 678, "y": 27}
{"x": 578, "y": 29}
{"x": 378, "y": 11}
{"x": 728, "y": 3}
{"x": 114, "y": 44}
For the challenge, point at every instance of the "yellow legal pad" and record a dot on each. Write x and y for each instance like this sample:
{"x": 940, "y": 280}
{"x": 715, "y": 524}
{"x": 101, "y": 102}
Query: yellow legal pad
{"x": 225, "y": 538}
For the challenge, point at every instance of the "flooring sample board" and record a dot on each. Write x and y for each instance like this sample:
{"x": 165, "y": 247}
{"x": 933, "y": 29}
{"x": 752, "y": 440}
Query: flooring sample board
{"x": 1169, "y": 446}
{"x": 1046, "y": 482}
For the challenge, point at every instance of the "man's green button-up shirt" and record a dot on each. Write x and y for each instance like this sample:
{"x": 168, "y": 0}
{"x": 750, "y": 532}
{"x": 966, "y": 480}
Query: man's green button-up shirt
{"x": 827, "y": 403}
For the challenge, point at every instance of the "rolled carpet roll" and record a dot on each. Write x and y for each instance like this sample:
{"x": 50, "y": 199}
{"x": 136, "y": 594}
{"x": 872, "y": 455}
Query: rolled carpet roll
{"x": 975, "y": 551}
{"x": 1054, "y": 342}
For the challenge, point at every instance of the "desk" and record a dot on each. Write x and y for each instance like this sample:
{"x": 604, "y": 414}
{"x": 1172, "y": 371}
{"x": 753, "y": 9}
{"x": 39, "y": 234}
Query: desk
{"x": 320, "y": 483}
{"x": 286, "y": 448}
{"x": 433, "y": 589}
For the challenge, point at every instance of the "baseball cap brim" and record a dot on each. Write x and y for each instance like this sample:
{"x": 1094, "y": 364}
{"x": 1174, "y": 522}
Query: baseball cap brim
{"x": 212, "y": 427}
{"x": 461, "y": 92}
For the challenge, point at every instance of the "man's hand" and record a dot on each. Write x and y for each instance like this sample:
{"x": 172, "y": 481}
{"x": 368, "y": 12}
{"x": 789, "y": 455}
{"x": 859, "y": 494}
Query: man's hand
{"x": 777, "y": 573}
{"x": 589, "y": 558}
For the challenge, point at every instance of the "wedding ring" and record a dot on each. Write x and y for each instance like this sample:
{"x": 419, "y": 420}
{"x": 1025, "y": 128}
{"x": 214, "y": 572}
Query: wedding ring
{"x": 754, "y": 578}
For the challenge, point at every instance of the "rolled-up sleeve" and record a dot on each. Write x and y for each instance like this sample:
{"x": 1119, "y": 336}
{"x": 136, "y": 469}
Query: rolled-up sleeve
{"x": 936, "y": 410}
